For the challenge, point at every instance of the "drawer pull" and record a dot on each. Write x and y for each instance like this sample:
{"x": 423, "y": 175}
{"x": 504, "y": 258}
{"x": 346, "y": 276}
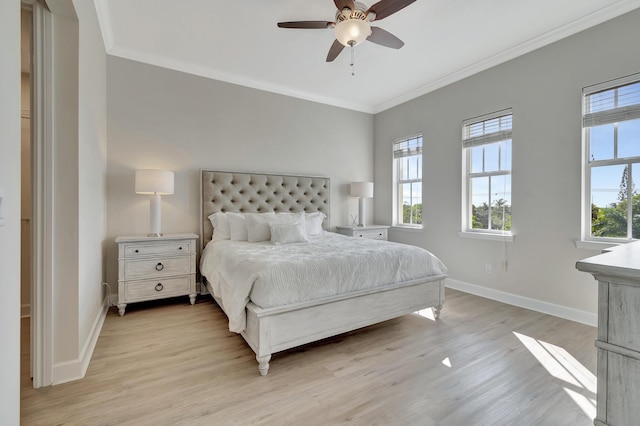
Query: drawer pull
{"x": 137, "y": 251}
{"x": 159, "y": 267}
{"x": 159, "y": 287}
{"x": 180, "y": 248}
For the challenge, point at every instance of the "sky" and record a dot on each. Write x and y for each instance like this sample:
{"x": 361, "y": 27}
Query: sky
{"x": 605, "y": 179}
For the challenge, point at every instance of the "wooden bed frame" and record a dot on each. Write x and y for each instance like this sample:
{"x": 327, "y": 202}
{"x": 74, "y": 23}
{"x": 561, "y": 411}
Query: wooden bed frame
{"x": 273, "y": 330}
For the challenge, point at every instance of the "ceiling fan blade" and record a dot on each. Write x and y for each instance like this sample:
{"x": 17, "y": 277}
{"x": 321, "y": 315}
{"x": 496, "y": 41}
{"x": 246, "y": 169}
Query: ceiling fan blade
{"x": 384, "y": 38}
{"x": 334, "y": 51}
{"x": 341, "y": 4}
{"x": 306, "y": 24}
{"x": 384, "y": 8}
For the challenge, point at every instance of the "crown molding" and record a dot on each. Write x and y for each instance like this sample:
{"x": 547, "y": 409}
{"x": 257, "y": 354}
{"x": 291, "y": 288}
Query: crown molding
{"x": 104, "y": 20}
{"x": 592, "y": 19}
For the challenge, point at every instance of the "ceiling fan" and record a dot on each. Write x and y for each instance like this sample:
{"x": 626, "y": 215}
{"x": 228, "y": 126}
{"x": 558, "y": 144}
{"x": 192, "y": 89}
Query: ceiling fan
{"x": 353, "y": 25}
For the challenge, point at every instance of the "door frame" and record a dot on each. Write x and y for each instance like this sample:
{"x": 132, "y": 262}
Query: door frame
{"x": 41, "y": 362}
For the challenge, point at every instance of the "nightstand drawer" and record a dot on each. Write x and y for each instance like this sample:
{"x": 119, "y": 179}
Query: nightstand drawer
{"x": 372, "y": 232}
{"x": 161, "y": 267}
{"x": 173, "y": 247}
{"x": 376, "y": 234}
{"x": 156, "y": 289}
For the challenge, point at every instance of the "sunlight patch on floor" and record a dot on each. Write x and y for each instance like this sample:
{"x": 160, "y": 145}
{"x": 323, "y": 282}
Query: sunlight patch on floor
{"x": 580, "y": 383}
{"x": 427, "y": 313}
{"x": 587, "y": 405}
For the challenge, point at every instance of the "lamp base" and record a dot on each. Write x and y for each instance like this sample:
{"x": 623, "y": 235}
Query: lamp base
{"x": 154, "y": 216}
{"x": 361, "y": 211}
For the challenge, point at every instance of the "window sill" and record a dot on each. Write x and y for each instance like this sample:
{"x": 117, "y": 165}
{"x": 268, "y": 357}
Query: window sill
{"x": 487, "y": 236}
{"x": 596, "y": 245}
{"x": 407, "y": 228}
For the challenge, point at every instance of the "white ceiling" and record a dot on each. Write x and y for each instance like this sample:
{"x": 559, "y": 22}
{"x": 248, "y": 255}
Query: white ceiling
{"x": 238, "y": 41}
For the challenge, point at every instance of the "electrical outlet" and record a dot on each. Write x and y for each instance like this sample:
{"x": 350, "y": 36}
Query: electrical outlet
{"x": 487, "y": 268}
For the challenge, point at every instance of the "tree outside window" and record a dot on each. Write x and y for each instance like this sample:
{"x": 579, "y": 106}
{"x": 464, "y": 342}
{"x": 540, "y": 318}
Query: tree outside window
{"x": 611, "y": 123}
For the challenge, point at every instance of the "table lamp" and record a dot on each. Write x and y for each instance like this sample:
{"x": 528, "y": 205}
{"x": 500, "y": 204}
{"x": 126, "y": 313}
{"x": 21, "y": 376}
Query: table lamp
{"x": 154, "y": 183}
{"x": 361, "y": 190}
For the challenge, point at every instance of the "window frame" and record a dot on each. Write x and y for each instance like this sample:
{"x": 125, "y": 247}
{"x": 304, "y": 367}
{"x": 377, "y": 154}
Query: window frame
{"x": 397, "y": 202}
{"x": 468, "y": 174}
{"x": 592, "y": 119}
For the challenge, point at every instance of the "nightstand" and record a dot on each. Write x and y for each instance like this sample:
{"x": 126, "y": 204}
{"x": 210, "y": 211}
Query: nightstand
{"x": 151, "y": 268}
{"x": 376, "y": 232}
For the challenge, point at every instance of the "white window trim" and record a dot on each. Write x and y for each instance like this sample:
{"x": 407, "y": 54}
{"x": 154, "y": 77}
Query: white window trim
{"x": 395, "y": 220}
{"x": 490, "y": 236}
{"x": 466, "y": 230}
{"x": 586, "y": 240}
{"x": 408, "y": 228}
{"x": 596, "y": 245}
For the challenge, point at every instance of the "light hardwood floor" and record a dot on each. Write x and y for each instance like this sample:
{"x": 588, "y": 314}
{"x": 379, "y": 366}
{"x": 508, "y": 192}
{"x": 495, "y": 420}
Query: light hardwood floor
{"x": 482, "y": 363}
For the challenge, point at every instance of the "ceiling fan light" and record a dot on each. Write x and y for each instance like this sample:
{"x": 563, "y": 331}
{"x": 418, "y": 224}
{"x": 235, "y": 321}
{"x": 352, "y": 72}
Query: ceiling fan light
{"x": 352, "y": 31}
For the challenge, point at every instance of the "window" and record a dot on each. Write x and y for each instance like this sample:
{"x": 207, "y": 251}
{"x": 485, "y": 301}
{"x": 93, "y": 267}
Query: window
{"x": 611, "y": 132}
{"x": 486, "y": 143}
{"x": 407, "y": 163}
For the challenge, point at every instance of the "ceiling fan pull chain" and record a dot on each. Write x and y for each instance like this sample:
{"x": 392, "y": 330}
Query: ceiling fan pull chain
{"x": 353, "y": 62}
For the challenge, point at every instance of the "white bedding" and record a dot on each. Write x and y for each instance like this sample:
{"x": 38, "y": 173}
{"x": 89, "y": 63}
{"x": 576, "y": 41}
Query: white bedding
{"x": 275, "y": 275}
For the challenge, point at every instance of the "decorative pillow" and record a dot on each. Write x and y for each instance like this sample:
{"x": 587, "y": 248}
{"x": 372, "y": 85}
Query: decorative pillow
{"x": 220, "y": 223}
{"x": 290, "y": 218}
{"x": 258, "y": 226}
{"x": 282, "y": 233}
{"x": 237, "y": 226}
{"x": 313, "y": 223}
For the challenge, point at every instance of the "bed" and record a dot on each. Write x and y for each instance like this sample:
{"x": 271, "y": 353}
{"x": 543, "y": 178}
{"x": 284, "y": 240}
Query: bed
{"x": 270, "y": 326}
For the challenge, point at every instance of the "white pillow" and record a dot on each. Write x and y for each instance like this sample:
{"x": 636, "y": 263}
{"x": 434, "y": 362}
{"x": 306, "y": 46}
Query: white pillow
{"x": 237, "y": 226}
{"x": 313, "y": 223}
{"x": 282, "y": 233}
{"x": 290, "y": 218}
{"x": 220, "y": 223}
{"x": 258, "y": 226}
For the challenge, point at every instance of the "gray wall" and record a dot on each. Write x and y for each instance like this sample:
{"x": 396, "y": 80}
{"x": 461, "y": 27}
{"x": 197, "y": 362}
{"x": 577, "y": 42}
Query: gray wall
{"x": 92, "y": 172}
{"x": 65, "y": 192}
{"x": 10, "y": 229}
{"x": 78, "y": 144}
{"x": 544, "y": 90}
{"x": 164, "y": 119}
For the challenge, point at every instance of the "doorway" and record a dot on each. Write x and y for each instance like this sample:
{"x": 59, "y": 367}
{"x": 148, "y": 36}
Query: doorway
{"x": 26, "y": 28}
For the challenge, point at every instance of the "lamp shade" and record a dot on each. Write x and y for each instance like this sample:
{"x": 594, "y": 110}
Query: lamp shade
{"x": 362, "y": 189}
{"x": 352, "y": 31}
{"x": 154, "y": 182}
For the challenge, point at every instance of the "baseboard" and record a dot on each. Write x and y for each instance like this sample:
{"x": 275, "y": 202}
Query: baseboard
{"x": 25, "y": 311}
{"x": 560, "y": 311}
{"x": 68, "y": 371}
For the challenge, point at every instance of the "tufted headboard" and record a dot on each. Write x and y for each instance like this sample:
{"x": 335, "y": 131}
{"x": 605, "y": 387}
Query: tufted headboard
{"x": 260, "y": 193}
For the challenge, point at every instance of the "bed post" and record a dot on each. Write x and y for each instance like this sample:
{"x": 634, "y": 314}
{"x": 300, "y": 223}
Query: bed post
{"x": 436, "y": 311}
{"x": 438, "y": 308}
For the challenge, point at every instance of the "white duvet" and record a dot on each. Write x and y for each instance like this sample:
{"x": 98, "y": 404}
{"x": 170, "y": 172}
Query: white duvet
{"x": 275, "y": 275}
